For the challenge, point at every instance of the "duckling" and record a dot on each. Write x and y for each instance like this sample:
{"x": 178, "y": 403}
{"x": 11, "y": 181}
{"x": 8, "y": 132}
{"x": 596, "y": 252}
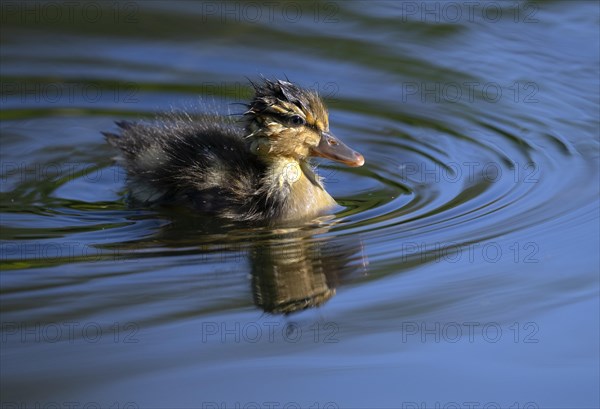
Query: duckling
{"x": 255, "y": 169}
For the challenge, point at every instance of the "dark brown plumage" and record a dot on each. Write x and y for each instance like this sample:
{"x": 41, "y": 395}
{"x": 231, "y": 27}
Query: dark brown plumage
{"x": 255, "y": 169}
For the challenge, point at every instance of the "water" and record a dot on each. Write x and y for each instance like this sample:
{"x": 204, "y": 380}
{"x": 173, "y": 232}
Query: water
{"x": 463, "y": 266}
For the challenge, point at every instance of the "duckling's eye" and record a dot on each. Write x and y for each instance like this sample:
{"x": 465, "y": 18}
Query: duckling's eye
{"x": 297, "y": 120}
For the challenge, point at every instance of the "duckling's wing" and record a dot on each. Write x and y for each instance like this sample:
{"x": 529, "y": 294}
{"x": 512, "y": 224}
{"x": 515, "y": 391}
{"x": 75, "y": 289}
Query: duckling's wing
{"x": 204, "y": 162}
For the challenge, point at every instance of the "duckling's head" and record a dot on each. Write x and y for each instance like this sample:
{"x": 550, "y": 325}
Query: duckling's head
{"x": 286, "y": 121}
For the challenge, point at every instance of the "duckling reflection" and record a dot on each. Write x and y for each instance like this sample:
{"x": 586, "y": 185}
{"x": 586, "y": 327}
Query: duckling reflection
{"x": 297, "y": 273}
{"x": 290, "y": 269}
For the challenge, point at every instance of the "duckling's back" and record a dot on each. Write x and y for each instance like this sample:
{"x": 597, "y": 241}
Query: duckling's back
{"x": 203, "y": 161}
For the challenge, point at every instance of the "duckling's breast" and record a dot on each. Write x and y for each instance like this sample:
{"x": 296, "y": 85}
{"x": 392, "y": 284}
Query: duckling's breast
{"x": 306, "y": 195}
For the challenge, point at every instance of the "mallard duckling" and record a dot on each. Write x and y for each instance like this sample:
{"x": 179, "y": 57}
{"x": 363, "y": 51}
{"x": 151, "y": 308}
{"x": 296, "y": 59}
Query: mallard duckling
{"x": 256, "y": 169}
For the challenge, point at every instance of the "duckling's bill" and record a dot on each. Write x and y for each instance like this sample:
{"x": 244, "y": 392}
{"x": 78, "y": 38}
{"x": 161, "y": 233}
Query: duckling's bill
{"x": 332, "y": 148}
